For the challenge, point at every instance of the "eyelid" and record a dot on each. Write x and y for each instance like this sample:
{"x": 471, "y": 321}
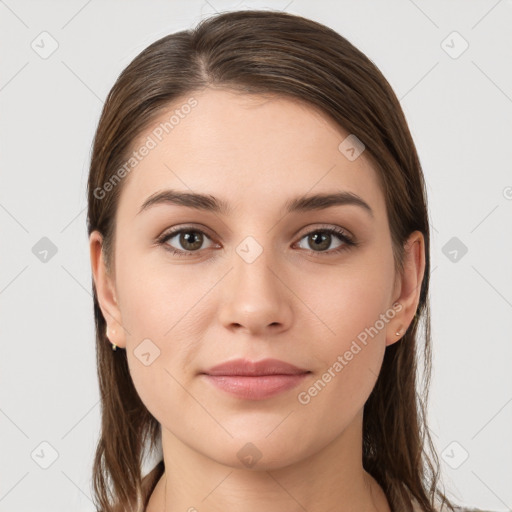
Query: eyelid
{"x": 313, "y": 228}
{"x": 172, "y": 232}
{"x": 185, "y": 227}
{"x": 343, "y": 235}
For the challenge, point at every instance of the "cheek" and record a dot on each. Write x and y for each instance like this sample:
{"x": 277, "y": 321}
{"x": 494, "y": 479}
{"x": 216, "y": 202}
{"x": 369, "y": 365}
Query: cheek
{"x": 349, "y": 300}
{"x": 349, "y": 358}
{"x": 161, "y": 309}
{"x": 157, "y": 295}
{"x": 353, "y": 307}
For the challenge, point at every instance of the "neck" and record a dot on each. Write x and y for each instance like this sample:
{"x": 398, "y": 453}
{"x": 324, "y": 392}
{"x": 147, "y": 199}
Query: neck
{"x": 331, "y": 479}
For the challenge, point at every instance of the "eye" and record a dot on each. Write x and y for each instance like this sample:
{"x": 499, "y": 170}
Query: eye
{"x": 188, "y": 239}
{"x": 321, "y": 239}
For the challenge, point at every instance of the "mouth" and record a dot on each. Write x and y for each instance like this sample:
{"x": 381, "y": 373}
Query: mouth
{"x": 255, "y": 380}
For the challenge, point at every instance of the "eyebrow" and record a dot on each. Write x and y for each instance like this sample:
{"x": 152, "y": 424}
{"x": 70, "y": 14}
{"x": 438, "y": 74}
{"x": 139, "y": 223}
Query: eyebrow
{"x": 210, "y": 203}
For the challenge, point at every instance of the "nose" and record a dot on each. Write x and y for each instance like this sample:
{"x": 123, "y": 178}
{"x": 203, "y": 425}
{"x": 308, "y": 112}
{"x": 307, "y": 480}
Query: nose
{"x": 256, "y": 297}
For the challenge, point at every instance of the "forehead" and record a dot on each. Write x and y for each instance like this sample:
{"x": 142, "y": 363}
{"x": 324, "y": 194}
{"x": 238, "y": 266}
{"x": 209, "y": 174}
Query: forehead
{"x": 249, "y": 150}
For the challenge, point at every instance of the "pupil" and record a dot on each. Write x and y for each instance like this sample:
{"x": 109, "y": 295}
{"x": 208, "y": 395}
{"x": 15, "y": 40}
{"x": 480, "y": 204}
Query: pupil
{"x": 192, "y": 238}
{"x": 320, "y": 239}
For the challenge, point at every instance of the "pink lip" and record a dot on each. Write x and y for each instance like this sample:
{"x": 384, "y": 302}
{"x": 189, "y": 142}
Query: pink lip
{"x": 251, "y": 368}
{"x": 255, "y": 380}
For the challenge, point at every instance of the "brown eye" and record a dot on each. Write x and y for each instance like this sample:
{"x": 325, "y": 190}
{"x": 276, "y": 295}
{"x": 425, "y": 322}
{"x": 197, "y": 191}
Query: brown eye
{"x": 320, "y": 240}
{"x": 186, "y": 240}
{"x": 190, "y": 240}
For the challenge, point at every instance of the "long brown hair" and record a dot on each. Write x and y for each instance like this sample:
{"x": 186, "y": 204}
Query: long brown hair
{"x": 269, "y": 53}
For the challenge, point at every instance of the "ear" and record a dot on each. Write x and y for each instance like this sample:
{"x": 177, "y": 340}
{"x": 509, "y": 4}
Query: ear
{"x": 105, "y": 291}
{"x": 408, "y": 288}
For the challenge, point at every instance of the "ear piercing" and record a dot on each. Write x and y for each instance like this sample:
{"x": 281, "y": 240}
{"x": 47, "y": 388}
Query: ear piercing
{"x": 114, "y": 346}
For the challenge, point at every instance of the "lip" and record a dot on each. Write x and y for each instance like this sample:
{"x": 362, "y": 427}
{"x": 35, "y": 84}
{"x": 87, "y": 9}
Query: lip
{"x": 244, "y": 367}
{"x": 255, "y": 380}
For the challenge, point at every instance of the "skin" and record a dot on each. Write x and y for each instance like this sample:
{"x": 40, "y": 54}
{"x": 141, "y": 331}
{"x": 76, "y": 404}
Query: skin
{"x": 291, "y": 303}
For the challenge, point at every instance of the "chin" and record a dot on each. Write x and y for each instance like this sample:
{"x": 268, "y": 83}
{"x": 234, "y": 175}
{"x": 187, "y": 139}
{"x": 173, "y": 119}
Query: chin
{"x": 258, "y": 453}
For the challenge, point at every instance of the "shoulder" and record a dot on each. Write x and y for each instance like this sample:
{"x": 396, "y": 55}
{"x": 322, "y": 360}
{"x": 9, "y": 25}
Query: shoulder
{"x": 458, "y": 508}
{"x": 465, "y": 509}
{"x": 416, "y": 508}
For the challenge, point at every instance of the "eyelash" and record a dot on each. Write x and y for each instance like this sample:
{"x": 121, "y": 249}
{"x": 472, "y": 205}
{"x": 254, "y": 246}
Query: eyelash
{"x": 348, "y": 242}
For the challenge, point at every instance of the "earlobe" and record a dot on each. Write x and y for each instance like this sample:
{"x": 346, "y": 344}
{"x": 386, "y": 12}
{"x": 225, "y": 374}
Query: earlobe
{"x": 409, "y": 287}
{"x": 105, "y": 291}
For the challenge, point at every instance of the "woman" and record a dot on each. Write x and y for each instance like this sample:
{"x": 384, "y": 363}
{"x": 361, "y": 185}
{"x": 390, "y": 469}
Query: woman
{"x": 259, "y": 242}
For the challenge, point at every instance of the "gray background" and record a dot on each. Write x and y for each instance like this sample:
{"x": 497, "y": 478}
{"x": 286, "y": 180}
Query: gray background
{"x": 459, "y": 107}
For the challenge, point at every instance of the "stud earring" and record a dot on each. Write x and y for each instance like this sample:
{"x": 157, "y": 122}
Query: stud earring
{"x": 114, "y": 346}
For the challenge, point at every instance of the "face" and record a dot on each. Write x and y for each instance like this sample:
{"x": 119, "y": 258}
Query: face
{"x": 268, "y": 275}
